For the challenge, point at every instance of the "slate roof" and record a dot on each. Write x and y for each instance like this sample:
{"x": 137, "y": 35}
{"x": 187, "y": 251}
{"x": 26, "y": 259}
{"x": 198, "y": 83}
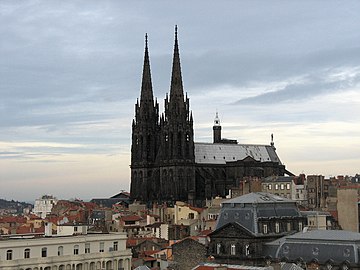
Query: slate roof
{"x": 248, "y": 209}
{"x": 321, "y": 235}
{"x": 220, "y": 153}
{"x": 319, "y": 245}
{"x": 257, "y": 197}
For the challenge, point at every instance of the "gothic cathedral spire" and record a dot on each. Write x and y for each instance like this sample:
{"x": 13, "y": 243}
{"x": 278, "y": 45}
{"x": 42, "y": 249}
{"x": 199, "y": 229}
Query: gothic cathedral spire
{"x": 146, "y": 120}
{"x": 146, "y": 97}
{"x": 176, "y": 88}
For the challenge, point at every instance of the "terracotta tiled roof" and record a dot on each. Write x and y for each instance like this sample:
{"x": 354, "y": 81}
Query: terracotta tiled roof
{"x": 150, "y": 252}
{"x": 205, "y": 232}
{"x": 12, "y": 219}
{"x": 24, "y": 230}
{"x": 131, "y": 242}
{"x": 131, "y": 218}
{"x": 197, "y": 209}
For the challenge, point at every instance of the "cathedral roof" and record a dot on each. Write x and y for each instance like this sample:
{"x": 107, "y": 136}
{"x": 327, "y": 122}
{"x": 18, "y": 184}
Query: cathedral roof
{"x": 220, "y": 153}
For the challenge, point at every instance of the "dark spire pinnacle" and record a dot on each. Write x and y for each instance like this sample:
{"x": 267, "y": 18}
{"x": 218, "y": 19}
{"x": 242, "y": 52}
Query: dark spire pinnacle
{"x": 272, "y": 141}
{"x": 146, "y": 86}
{"x": 176, "y": 87}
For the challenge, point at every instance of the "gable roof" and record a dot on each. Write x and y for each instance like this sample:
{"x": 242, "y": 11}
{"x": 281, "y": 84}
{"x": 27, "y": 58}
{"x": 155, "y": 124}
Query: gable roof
{"x": 236, "y": 225}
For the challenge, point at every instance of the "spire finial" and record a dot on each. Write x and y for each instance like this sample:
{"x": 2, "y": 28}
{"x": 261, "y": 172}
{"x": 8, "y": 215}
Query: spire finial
{"x": 217, "y": 119}
{"x": 272, "y": 141}
{"x": 176, "y": 30}
{"x": 146, "y": 40}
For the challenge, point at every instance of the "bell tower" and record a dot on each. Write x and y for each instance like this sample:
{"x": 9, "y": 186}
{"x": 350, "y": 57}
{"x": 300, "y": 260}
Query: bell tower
{"x": 217, "y": 129}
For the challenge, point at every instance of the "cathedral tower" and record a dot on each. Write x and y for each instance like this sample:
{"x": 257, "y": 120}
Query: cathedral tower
{"x": 217, "y": 129}
{"x": 176, "y": 153}
{"x": 144, "y": 128}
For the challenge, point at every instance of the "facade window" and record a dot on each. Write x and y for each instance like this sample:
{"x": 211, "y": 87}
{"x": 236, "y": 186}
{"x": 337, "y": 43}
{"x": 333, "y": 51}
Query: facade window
{"x": 233, "y": 249}
{"x": 347, "y": 252}
{"x": 247, "y": 250}
{"x": 101, "y": 247}
{"x": 60, "y": 250}
{"x": 269, "y": 187}
{"x": 76, "y": 249}
{"x": 44, "y": 252}
{"x": 282, "y": 186}
{"x": 218, "y": 248}
{"x": 27, "y": 253}
{"x": 277, "y": 227}
{"x": 191, "y": 216}
{"x": 87, "y": 247}
{"x": 288, "y": 186}
{"x": 115, "y": 246}
{"x": 265, "y": 228}
{"x": 9, "y": 255}
{"x": 75, "y": 229}
{"x": 300, "y": 226}
{"x": 315, "y": 251}
{"x": 276, "y": 186}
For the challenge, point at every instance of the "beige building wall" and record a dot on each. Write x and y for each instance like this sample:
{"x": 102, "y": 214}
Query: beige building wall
{"x": 81, "y": 252}
{"x": 347, "y": 206}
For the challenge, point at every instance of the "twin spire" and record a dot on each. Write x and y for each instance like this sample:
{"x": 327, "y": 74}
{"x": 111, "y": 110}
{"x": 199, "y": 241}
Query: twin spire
{"x": 146, "y": 86}
{"x": 176, "y": 86}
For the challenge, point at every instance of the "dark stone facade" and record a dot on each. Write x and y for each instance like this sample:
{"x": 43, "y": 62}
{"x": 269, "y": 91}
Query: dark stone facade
{"x": 247, "y": 222}
{"x": 234, "y": 244}
{"x": 164, "y": 166}
{"x": 186, "y": 254}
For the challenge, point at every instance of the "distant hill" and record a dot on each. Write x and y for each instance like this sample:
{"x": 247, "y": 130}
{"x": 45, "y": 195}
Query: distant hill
{"x": 14, "y": 205}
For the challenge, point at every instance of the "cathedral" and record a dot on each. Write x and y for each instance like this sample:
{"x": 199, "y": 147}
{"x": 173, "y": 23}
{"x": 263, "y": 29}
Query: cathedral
{"x": 168, "y": 166}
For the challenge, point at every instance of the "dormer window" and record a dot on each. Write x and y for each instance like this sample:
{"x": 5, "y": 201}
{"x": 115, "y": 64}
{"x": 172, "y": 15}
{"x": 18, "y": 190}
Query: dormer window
{"x": 265, "y": 229}
{"x": 277, "y": 227}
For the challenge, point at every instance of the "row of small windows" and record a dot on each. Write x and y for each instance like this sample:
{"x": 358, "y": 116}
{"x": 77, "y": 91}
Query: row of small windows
{"x": 277, "y": 186}
{"x": 215, "y": 157}
{"x": 265, "y": 227}
{"x": 233, "y": 248}
{"x": 27, "y": 253}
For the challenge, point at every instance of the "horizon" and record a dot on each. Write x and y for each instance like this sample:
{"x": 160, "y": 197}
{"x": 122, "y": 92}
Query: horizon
{"x": 71, "y": 75}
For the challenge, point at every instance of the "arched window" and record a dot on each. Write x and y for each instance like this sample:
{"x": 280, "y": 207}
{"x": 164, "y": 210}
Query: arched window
{"x": 76, "y": 249}
{"x": 27, "y": 253}
{"x": 60, "y": 250}
{"x": 9, "y": 255}
{"x": 247, "y": 250}
{"x": 44, "y": 252}
{"x": 218, "y": 248}
{"x": 233, "y": 249}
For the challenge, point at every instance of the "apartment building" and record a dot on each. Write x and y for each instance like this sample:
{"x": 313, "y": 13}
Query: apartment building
{"x": 75, "y": 252}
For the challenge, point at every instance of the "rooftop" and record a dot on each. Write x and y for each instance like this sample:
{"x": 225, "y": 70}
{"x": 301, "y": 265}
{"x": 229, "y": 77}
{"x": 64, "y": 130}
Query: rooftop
{"x": 257, "y": 197}
{"x": 220, "y": 153}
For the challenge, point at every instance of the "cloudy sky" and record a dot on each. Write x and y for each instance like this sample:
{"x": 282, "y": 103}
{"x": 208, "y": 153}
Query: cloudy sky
{"x": 70, "y": 73}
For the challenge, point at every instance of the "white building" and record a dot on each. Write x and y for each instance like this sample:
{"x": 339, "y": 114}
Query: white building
{"x": 43, "y": 205}
{"x": 75, "y": 252}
